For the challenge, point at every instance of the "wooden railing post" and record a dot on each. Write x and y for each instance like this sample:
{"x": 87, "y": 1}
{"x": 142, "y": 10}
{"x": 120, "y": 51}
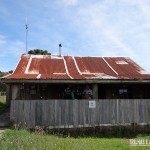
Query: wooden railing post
{"x": 8, "y": 94}
{"x": 95, "y": 91}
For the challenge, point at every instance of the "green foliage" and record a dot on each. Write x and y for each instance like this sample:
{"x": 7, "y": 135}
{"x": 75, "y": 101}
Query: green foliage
{"x": 3, "y": 106}
{"x": 2, "y": 74}
{"x": 38, "y": 52}
{"x": 2, "y": 85}
{"x": 11, "y": 71}
{"x": 25, "y": 140}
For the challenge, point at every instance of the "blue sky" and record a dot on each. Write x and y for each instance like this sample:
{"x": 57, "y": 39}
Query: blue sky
{"x": 83, "y": 27}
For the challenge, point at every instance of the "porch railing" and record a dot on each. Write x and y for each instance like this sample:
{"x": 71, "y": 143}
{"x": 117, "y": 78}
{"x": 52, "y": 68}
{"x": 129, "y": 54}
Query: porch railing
{"x": 79, "y": 113}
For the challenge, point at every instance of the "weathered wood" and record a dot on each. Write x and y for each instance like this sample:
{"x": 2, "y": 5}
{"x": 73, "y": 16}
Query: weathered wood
{"x": 95, "y": 91}
{"x": 76, "y": 113}
{"x": 39, "y": 113}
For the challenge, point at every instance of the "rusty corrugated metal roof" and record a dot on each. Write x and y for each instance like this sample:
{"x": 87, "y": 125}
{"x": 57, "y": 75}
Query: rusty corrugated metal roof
{"x": 71, "y": 67}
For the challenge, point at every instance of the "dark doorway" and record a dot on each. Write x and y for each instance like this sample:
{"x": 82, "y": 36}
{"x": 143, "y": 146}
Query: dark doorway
{"x": 101, "y": 91}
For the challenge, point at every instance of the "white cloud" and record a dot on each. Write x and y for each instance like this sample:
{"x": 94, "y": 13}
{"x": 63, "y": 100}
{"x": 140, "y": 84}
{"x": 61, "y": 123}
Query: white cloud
{"x": 10, "y": 47}
{"x": 145, "y": 8}
{"x": 10, "y": 52}
{"x": 120, "y": 28}
{"x": 108, "y": 28}
{"x": 70, "y": 2}
{"x": 2, "y": 39}
{"x": 92, "y": 23}
{"x": 117, "y": 41}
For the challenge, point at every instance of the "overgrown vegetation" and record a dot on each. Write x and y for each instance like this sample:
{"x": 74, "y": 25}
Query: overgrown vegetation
{"x": 2, "y": 74}
{"x": 3, "y": 107}
{"x": 25, "y": 140}
{"x": 2, "y": 85}
{"x": 38, "y": 52}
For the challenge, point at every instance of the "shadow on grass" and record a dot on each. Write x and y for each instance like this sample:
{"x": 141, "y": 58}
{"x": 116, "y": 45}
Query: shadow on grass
{"x": 98, "y": 132}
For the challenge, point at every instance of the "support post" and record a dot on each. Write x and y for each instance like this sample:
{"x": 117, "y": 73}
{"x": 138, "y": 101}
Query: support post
{"x": 95, "y": 91}
{"x": 8, "y": 94}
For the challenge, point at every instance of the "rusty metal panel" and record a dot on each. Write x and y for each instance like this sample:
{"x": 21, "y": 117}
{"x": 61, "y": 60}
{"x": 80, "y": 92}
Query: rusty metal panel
{"x": 21, "y": 76}
{"x": 22, "y": 64}
{"x": 72, "y": 68}
{"x": 69, "y": 67}
{"x": 93, "y": 65}
{"x": 126, "y": 68}
{"x": 34, "y": 66}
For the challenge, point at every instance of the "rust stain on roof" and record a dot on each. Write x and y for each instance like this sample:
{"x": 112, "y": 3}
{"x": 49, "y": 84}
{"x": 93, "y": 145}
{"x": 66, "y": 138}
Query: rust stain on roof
{"x": 71, "y": 67}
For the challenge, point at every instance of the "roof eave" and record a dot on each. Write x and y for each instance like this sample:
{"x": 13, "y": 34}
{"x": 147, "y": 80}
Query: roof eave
{"x": 7, "y": 81}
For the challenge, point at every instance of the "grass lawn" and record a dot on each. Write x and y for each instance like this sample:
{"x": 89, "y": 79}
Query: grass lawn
{"x": 25, "y": 140}
{"x": 3, "y": 106}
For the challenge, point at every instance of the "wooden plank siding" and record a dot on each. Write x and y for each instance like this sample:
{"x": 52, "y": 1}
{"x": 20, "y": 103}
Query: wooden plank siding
{"x": 76, "y": 113}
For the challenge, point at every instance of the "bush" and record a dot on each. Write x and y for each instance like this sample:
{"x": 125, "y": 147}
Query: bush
{"x": 39, "y": 52}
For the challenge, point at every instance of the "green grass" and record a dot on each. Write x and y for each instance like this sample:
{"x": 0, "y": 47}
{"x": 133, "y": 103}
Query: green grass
{"x": 3, "y": 99}
{"x": 3, "y": 106}
{"x": 25, "y": 140}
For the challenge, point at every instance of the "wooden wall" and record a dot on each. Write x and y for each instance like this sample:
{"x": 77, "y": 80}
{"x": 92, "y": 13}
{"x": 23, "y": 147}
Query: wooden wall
{"x": 76, "y": 113}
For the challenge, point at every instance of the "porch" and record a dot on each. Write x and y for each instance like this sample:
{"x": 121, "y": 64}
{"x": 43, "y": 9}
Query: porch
{"x": 46, "y": 91}
{"x": 80, "y": 113}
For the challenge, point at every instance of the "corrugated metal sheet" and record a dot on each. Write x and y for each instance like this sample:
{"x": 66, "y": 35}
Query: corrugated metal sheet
{"x": 69, "y": 67}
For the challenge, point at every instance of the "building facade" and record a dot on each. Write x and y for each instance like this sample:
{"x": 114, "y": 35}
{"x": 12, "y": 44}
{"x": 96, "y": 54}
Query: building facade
{"x": 47, "y": 77}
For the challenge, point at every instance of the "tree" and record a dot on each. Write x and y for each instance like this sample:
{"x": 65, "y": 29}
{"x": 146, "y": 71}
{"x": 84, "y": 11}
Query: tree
{"x": 2, "y": 85}
{"x": 11, "y": 71}
{"x": 38, "y": 52}
{"x": 2, "y": 74}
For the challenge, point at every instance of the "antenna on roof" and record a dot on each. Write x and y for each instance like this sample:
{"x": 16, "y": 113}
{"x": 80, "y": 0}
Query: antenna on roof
{"x": 60, "y": 46}
{"x": 26, "y": 25}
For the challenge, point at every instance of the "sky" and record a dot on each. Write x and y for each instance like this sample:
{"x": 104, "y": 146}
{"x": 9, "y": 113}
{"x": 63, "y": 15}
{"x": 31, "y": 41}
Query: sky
{"x": 104, "y": 28}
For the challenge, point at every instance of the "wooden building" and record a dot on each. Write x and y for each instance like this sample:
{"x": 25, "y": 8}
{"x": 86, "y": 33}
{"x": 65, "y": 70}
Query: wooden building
{"x": 47, "y": 76}
{"x": 40, "y": 78}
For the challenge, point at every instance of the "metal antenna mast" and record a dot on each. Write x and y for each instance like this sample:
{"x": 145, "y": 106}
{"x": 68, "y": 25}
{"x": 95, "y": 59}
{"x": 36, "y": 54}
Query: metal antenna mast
{"x": 26, "y": 36}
